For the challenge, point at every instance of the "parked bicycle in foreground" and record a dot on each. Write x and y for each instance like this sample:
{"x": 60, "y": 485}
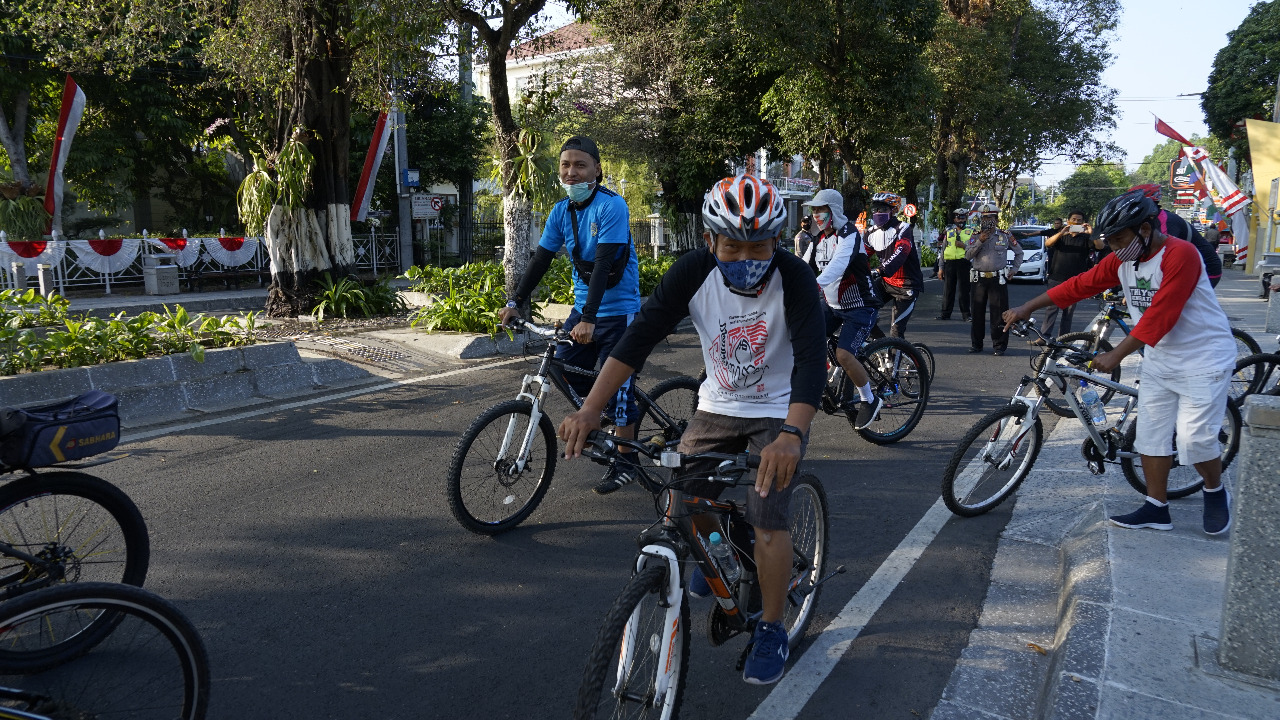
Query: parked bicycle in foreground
{"x": 639, "y": 661}
{"x": 1256, "y": 374}
{"x": 997, "y": 453}
{"x": 503, "y": 464}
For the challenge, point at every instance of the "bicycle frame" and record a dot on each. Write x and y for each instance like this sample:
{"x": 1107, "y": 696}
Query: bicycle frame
{"x": 1062, "y": 375}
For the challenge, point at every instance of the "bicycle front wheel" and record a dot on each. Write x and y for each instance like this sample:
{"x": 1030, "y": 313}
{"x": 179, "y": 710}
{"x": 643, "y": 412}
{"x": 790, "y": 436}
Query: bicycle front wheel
{"x": 677, "y": 399}
{"x": 621, "y": 679}
{"x": 1082, "y": 342}
{"x": 992, "y": 460}
{"x": 501, "y": 468}
{"x": 1184, "y": 480}
{"x": 1245, "y": 344}
{"x": 927, "y": 355}
{"x": 900, "y": 378}
{"x": 809, "y": 546}
{"x": 152, "y": 664}
{"x": 82, "y": 526}
{"x": 1254, "y": 375}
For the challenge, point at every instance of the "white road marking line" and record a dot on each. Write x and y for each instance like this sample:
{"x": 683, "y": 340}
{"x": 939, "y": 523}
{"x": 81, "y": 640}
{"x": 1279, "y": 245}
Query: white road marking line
{"x": 129, "y": 437}
{"x": 807, "y": 675}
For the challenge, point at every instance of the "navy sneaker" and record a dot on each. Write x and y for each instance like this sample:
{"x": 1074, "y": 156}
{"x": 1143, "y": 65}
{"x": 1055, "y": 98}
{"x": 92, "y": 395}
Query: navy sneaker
{"x": 1217, "y": 512}
{"x": 698, "y": 586}
{"x": 621, "y": 472}
{"x": 768, "y": 658}
{"x": 1148, "y": 516}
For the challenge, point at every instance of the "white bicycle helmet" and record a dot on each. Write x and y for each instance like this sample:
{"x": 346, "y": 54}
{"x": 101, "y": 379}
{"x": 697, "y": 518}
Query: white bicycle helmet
{"x": 745, "y": 208}
{"x": 893, "y": 200}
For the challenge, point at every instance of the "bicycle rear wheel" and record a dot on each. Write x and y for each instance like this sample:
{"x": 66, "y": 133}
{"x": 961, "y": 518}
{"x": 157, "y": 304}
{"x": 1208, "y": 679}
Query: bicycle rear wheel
{"x": 899, "y": 377}
{"x": 87, "y": 528}
{"x": 1183, "y": 479}
{"x": 991, "y": 461}
{"x": 152, "y": 664}
{"x": 1245, "y": 344}
{"x": 809, "y": 545}
{"x": 491, "y": 487}
{"x": 622, "y": 671}
{"x": 677, "y": 397}
{"x": 1256, "y": 374}
{"x": 1083, "y": 342}
{"x": 927, "y": 355}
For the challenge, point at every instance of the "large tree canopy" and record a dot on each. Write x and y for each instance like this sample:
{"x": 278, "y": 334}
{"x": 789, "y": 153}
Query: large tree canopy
{"x": 1242, "y": 84}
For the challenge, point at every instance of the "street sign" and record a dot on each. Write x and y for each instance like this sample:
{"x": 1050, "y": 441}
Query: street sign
{"x": 1180, "y": 174}
{"x": 909, "y": 210}
{"x": 410, "y": 178}
{"x": 426, "y": 206}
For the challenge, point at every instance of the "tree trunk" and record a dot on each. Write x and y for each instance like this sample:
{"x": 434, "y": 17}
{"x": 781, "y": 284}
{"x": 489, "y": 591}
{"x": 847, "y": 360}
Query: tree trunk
{"x": 14, "y": 137}
{"x": 307, "y": 242}
{"x": 517, "y": 213}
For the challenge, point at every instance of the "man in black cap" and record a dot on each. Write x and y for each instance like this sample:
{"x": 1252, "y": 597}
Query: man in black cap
{"x": 593, "y": 225}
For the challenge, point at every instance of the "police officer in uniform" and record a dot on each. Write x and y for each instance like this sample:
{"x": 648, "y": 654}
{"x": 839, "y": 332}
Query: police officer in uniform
{"x": 988, "y": 251}
{"x": 955, "y": 266}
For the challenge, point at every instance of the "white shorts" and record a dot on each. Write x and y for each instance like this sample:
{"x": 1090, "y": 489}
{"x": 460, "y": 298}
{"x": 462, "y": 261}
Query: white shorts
{"x": 1194, "y": 406}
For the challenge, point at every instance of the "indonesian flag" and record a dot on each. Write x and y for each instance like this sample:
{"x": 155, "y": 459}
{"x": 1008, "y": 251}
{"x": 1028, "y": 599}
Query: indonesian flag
{"x": 106, "y": 255}
{"x": 231, "y": 251}
{"x": 1163, "y": 128}
{"x": 32, "y": 253}
{"x": 372, "y": 161}
{"x": 68, "y": 121}
{"x": 1212, "y": 180}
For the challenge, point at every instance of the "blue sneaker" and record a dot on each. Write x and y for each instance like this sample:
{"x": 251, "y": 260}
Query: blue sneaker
{"x": 768, "y": 658}
{"x": 1148, "y": 516}
{"x": 1217, "y": 512}
{"x": 698, "y": 586}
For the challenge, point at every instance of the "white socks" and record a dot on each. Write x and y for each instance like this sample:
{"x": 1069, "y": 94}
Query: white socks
{"x": 1217, "y": 489}
{"x": 865, "y": 393}
{"x": 1156, "y": 502}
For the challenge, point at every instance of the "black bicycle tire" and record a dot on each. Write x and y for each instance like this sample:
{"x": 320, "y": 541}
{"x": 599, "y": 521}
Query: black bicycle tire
{"x": 120, "y": 600}
{"x": 1270, "y": 363}
{"x": 922, "y": 402}
{"x": 927, "y": 353}
{"x": 1139, "y": 484}
{"x": 979, "y": 428}
{"x": 457, "y": 503}
{"x": 94, "y": 489}
{"x": 680, "y": 382}
{"x": 1058, "y": 407}
{"x": 1240, "y": 336}
{"x": 797, "y": 628}
{"x": 652, "y": 579}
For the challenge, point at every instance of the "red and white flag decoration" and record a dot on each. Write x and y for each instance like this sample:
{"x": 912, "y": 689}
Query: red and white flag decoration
{"x": 68, "y": 120}
{"x": 186, "y": 250}
{"x": 1222, "y": 191}
{"x": 106, "y": 255}
{"x": 372, "y": 161}
{"x": 231, "y": 251}
{"x": 1164, "y": 129}
{"x": 32, "y": 253}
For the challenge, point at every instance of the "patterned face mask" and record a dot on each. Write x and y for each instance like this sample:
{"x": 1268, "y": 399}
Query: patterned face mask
{"x": 1134, "y": 250}
{"x": 745, "y": 274}
{"x": 821, "y": 219}
{"x": 989, "y": 222}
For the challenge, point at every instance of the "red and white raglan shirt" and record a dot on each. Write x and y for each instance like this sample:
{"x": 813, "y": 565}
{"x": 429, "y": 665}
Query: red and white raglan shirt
{"x": 1178, "y": 316}
{"x": 763, "y": 350}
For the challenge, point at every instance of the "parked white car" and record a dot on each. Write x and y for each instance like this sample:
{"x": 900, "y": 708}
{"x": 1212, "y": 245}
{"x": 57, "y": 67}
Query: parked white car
{"x": 1035, "y": 261}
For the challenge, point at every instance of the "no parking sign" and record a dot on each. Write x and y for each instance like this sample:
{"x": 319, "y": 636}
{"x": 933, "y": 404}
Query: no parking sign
{"x": 909, "y": 211}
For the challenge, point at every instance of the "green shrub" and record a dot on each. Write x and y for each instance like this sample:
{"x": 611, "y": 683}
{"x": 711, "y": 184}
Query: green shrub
{"x": 557, "y": 284}
{"x": 463, "y": 307}
{"x": 339, "y": 298}
{"x": 436, "y": 280}
{"x": 383, "y": 299}
{"x": 28, "y": 308}
{"x": 927, "y": 256}
{"x": 651, "y": 272}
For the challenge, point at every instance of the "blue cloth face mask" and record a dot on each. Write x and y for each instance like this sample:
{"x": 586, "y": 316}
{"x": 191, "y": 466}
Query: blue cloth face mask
{"x": 744, "y": 274}
{"x": 881, "y": 219}
{"x": 578, "y": 192}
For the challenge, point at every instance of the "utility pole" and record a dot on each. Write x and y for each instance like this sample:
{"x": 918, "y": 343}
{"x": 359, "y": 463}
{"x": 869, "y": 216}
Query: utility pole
{"x": 466, "y": 198}
{"x": 1275, "y": 108}
{"x": 405, "y": 207}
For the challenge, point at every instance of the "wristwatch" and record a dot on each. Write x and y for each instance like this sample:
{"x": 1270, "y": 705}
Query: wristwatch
{"x": 512, "y": 304}
{"x": 793, "y": 430}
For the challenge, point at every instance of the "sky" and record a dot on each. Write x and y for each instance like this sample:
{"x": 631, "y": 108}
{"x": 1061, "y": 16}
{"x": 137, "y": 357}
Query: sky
{"x": 1162, "y": 49}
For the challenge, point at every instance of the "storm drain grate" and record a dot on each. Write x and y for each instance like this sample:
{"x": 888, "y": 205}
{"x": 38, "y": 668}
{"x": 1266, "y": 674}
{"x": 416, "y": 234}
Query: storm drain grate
{"x": 368, "y": 352}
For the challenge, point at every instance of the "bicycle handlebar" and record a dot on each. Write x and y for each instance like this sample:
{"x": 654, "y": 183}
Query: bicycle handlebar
{"x": 1073, "y": 355}
{"x": 602, "y": 446}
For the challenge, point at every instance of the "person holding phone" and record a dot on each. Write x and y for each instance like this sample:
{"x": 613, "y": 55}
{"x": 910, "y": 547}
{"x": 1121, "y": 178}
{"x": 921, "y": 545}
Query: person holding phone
{"x": 1072, "y": 246}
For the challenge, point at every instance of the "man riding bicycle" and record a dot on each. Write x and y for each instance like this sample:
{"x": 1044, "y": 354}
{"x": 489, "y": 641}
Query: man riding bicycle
{"x": 1189, "y": 356}
{"x": 760, "y": 324}
{"x": 899, "y": 268}
{"x": 593, "y": 224}
{"x": 852, "y": 306}
{"x": 1174, "y": 225}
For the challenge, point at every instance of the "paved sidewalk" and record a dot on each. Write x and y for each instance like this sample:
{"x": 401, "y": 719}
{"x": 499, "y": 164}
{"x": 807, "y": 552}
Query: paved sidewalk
{"x": 1084, "y": 619}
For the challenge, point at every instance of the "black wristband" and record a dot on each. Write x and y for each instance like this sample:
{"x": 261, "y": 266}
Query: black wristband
{"x": 793, "y": 430}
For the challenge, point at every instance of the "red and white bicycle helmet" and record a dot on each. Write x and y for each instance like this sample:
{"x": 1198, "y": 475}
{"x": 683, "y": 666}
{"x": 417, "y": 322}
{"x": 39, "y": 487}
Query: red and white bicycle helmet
{"x": 745, "y": 208}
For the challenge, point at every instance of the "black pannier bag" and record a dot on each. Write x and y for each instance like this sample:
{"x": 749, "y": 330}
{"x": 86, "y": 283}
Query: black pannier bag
{"x": 72, "y": 430}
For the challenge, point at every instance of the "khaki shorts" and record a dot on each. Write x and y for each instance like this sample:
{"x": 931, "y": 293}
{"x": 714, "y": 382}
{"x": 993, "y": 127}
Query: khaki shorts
{"x": 709, "y": 432}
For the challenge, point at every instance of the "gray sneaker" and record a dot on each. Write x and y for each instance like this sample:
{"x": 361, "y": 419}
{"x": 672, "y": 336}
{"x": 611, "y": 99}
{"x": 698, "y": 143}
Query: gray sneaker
{"x": 867, "y": 412}
{"x": 1217, "y": 512}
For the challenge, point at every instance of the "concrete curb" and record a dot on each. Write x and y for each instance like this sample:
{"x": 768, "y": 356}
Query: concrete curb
{"x": 192, "y": 302}
{"x": 156, "y": 390}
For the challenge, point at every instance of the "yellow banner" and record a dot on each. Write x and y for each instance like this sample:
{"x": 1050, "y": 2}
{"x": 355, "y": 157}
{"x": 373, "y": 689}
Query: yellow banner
{"x": 1264, "y": 156}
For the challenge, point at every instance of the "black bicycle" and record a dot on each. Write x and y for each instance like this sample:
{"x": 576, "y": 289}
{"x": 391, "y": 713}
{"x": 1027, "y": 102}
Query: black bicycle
{"x": 900, "y": 378}
{"x": 503, "y": 464}
{"x": 1257, "y": 374}
{"x": 55, "y": 664}
{"x": 640, "y": 658}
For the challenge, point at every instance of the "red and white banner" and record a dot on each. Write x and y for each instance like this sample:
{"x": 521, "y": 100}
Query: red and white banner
{"x": 231, "y": 251}
{"x": 1164, "y": 129}
{"x": 186, "y": 250}
{"x": 106, "y": 255}
{"x": 32, "y": 253}
{"x": 68, "y": 120}
{"x": 1212, "y": 180}
{"x": 372, "y": 161}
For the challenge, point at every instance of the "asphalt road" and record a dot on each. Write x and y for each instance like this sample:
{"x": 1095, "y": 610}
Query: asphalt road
{"x": 314, "y": 549}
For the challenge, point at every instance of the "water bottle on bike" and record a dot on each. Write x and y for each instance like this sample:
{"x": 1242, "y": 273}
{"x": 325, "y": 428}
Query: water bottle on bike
{"x": 1092, "y": 404}
{"x": 724, "y": 557}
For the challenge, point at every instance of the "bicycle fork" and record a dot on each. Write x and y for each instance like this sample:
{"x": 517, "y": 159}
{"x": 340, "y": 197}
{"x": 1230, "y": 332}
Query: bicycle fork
{"x": 535, "y": 417}
{"x": 670, "y": 627}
